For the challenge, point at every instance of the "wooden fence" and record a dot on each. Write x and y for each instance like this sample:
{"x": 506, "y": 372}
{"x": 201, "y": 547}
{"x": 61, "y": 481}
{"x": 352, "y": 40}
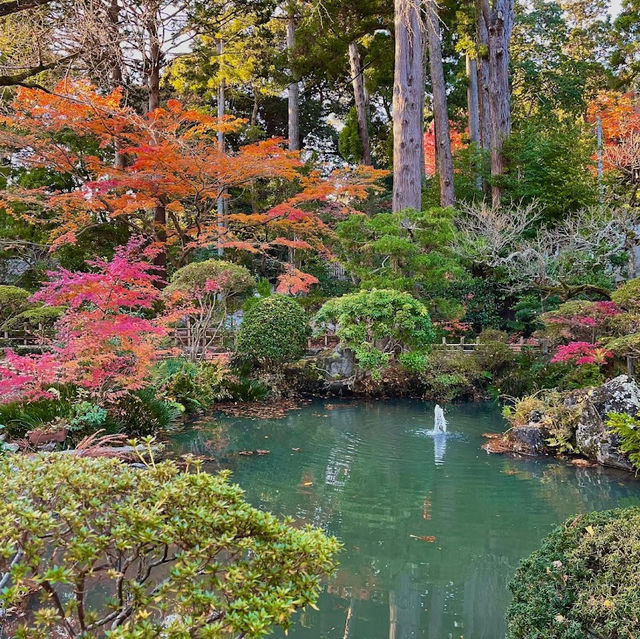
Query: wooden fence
{"x": 24, "y": 340}
{"x": 534, "y": 345}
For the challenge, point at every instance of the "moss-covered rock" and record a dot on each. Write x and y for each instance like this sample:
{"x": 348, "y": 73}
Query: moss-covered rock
{"x": 574, "y": 422}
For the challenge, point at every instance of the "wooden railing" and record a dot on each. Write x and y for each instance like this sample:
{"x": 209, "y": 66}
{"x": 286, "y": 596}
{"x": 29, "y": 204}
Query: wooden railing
{"x": 538, "y": 345}
{"x": 22, "y": 340}
{"x": 27, "y": 341}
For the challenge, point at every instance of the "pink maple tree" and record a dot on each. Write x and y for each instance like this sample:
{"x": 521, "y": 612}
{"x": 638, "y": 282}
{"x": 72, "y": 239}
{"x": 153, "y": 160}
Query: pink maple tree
{"x": 582, "y": 353}
{"x": 105, "y": 341}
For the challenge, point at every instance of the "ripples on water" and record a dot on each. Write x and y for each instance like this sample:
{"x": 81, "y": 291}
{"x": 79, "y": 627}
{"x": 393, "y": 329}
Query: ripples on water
{"x": 432, "y": 526}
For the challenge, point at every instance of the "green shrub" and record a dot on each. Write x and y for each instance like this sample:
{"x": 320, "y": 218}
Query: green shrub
{"x": 452, "y": 375}
{"x": 33, "y": 318}
{"x": 142, "y": 412}
{"x": 628, "y": 295}
{"x": 582, "y": 376}
{"x": 377, "y": 324}
{"x": 13, "y": 300}
{"x": 204, "y": 563}
{"x": 87, "y": 418}
{"x": 273, "y": 332}
{"x": 18, "y": 418}
{"x": 628, "y": 430}
{"x": 494, "y": 355}
{"x": 246, "y": 389}
{"x": 233, "y": 279}
{"x": 195, "y": 385}
{"x": 583, "y": 582}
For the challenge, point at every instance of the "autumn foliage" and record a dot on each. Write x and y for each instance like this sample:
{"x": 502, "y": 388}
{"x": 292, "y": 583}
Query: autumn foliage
{"x": 162, "y": 173}
{"x": 105, "y": 341}
{"x": 457, "y": 142}
{"x": 582, "y": 353}
{"x": 619, "y": 115}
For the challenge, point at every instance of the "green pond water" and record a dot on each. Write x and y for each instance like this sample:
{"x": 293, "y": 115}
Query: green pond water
{"x": 373, "y": 475}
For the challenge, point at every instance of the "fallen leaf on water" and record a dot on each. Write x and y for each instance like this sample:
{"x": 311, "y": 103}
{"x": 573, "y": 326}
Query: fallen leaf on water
{"x": 428, "y": 538}
{"x": 262, "y": 452}
{"x": 582, "y": 463}
{"x": 308, "y": 483}
{"x": 296, "y": 450}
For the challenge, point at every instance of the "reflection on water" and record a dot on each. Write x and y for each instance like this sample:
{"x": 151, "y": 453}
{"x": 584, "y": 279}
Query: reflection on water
{"x": 432, "y": 526}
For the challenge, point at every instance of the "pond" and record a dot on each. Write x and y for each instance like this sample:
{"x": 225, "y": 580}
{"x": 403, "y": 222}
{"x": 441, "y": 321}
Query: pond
{"x": 433, "y": 527}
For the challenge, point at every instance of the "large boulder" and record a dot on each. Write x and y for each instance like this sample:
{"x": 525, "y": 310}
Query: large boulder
{"x": 593, "y": 438}
{"x": 340, "y": 364}
{"x": 329, "y": 371}
{"x": 581, "y": 417}
{"x": 529, "y": 440}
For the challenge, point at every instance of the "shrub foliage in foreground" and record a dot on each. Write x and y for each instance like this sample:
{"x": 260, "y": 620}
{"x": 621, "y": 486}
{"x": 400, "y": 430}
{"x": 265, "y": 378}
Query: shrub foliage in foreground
{"x": 147, "y": 553}
{"x": 583, "y": 582}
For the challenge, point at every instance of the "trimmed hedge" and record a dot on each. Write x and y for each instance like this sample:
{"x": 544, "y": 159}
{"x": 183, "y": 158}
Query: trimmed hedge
{"x": 274, "y": 331}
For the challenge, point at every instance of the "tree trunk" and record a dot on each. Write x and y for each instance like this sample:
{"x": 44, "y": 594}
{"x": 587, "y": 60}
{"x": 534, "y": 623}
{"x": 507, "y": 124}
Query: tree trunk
{"x": 294, "y": 90}
{"x": 160, "y": 226}
{"x": 499, "y": 20}
{"x": 483, "y": 79}
{"x": 255, "y": 110}
{"x": 423, "y": 104}
{"x": 407, "y": 107}
{"x": 153, "y": 62}
{"x": 113, "y": 14}
{"x": 472, "y": 100}
{"x": 440, "y": 112}
{"x": 474, "y": 113}
{"x": 359, "y": 94}
{"x": 153, "y": 87}
{"x": 220, "y": 136}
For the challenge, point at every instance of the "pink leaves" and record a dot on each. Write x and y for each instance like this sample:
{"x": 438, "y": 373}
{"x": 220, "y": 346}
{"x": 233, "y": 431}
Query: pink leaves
{"x": 582, "y": 353}
{"x": 27, "y": 377}
{"x": 103, "y": 342}
{"x": 211, "y": 286}
{"x": 126, "y": 281}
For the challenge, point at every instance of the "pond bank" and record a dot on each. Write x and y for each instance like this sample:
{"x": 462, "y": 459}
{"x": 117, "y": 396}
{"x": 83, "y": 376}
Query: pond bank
{"x": 572, "y": 423}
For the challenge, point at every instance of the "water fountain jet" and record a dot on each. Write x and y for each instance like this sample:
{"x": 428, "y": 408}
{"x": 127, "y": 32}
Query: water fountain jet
{"x": 439, "y": 421}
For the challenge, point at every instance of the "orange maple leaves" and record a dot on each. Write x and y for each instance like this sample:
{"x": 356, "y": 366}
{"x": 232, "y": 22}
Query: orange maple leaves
{"x": 619, "y": 115}
{"x": 171, "y": 160}
{"x": 618, "y": 112}
{"x": 429, "y": 141}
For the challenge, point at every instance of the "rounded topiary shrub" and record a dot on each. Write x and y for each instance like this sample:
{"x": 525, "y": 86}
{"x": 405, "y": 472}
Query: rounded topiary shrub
{"x": 230, "y": 280}
{"x": 273, "y": 332}
{"x": 584, "y": 581}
